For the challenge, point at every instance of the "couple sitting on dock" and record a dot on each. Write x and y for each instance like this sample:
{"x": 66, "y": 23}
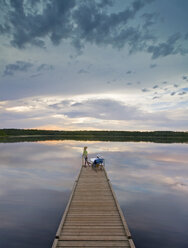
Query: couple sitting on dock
{"x": 95, "y": 163}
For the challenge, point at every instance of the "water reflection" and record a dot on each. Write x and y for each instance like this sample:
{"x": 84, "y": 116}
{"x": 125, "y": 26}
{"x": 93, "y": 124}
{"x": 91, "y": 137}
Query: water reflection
{"x": 150, "y": 181}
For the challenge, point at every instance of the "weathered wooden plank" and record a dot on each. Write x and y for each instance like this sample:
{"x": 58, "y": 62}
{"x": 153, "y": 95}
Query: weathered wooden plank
{"x": 94, "y": 186}
{"x": 105, "y": 233}
{"x": 93, "y": 182}
{"x": 88, "y": 224}
{"x": 93, "y": 237}
{"x": 93, "y": 218}
{"x": 96, "y": 211}
{"x": 93, "y": 243}
{"x": 93, "y": 222}
{"x": 90, "y": 205}
{"x": 82, "y": 198}
{"x": 93, "y": 233}
{"x": 93, "y": 191}
{"x": 92, "y": 214}
{"x": 92, "y": 246}
{"x": 91, "y": 201}
{"x": 85, "y": 194}
{"x": 77, "y": 224}
{"x": 105, "y": 203}
{"x": 92, "y": 228}
{"x": 93, "y": 208}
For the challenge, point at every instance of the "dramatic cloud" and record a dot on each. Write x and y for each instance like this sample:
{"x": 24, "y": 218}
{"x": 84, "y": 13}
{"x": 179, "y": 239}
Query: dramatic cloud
{"x": 167, "y": 48}
{"x": 149, "y": 19}
{"x": 11, "y": 69}
{"x": 97, "y": 109}
{"x": 104, "y": 109}
{"x": 91, "y": 113}
{"x": 84, "y": 22}
{"x": 30, "y": 26}
{"x": 100, "y": 109}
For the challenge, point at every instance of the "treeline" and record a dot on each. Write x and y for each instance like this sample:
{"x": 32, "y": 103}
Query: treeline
{"x": 16, "y": 135}
{"x": 20, "y": 132}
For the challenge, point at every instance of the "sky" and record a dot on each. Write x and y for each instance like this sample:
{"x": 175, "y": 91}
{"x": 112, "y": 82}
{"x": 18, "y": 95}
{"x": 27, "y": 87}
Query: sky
{"x": 94, "y": 64}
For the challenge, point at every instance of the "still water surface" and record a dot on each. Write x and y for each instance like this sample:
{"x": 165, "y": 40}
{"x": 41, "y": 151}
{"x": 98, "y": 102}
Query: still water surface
{"x": 150, "y": 181}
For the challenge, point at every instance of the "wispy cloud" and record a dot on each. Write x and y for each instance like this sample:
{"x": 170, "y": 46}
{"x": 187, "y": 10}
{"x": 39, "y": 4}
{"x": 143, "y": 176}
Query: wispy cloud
{"x": 18, "y": 66}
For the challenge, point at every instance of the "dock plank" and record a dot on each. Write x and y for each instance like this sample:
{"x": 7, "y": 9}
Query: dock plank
{"x": 93, "y": 217}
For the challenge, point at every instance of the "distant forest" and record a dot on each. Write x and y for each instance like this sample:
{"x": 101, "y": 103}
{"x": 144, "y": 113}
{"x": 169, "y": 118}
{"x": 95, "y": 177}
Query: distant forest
{"x": 20, "y": 135}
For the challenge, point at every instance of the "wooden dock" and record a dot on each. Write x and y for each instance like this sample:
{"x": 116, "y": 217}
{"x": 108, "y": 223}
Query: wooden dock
{"x": 93, "y": 217}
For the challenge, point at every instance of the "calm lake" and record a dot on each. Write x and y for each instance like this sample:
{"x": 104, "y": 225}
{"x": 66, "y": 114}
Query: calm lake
{"x": 149, "y": 179}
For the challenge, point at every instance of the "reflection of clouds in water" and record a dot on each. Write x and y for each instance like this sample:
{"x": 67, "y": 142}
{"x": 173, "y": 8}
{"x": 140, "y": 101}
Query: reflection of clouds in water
{"x": 150, "y": 167}
{"x": 49, "y": 164}
{"x": 156, "y": 220}
{"x": 176, "y": 183}
{"x": 31, "y": 217}
{"x": 31, "y": 165}
{"x": 178, "y": 158}
{"x": 148, "y": 179}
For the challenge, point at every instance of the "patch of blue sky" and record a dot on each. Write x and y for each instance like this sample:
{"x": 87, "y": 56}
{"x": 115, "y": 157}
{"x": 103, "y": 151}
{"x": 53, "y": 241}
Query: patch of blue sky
{"x": 182, "y": 104}
{"x": 161, "y": 105}
{"x": 168, "y": 105}
{"x": 185, "y": 89}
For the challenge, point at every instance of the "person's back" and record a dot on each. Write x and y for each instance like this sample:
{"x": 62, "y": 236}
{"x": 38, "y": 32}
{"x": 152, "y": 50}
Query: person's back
{"x": 98, "y": 163}
{"x": 85, "y": 153}
{"x": 85, "y": 156}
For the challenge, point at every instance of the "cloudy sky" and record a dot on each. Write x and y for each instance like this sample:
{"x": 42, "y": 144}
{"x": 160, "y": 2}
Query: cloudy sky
{"x": 94, "y": 64}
